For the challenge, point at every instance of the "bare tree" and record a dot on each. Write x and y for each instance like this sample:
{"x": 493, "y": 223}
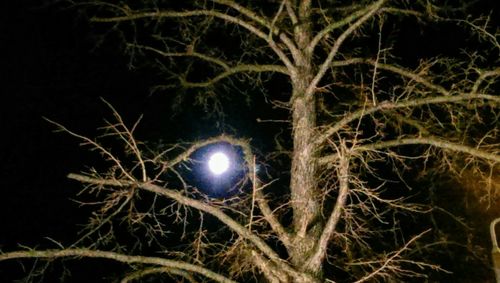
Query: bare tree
{"x": 359, "y": 116}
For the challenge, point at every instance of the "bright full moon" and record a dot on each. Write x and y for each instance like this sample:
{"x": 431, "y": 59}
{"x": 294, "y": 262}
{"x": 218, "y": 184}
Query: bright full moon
{"x": 218, "y": 163}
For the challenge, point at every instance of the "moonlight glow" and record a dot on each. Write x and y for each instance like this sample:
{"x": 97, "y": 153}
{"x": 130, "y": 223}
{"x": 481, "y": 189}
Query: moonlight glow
{"x": 218, "y": 163}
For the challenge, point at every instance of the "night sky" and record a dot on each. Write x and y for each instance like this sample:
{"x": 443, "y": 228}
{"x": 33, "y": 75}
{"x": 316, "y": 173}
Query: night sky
{"x": 49, "y": 71}
{"x": 51, "y": 67}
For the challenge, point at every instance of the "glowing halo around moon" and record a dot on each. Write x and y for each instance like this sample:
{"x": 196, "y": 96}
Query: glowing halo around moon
{"x": 218, "y": 163}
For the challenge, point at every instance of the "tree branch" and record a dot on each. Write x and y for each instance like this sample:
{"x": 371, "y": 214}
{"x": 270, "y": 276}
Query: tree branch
{"x": 214, "y": 211}
{"x": 440, "y": 143}
{"x": 394, "y": 257}
{"x": 176, "y": 264}
{"x": 386, "y": 105}
{"x": 315, "y": 260}
{"x": 177, "y": 196}
{"x": 189, "y": 53}
{"x": 235, "y": 70}
{"x": 134, "y": 15}
{"x": 483, "y": 75}
{"x": 104, "y": 151}
{"x": 283, "y": 235}
{"x": 370, "y": 11}
{"x": 291, "y": 13}
{"x": 335, "y": 25}
{"x": 248, "y": 13}
{"x": 397, "y": 70}
{"x": 273, "y": 274}
{"x": 262, "y": 21}
{"x": 153, "y": 270}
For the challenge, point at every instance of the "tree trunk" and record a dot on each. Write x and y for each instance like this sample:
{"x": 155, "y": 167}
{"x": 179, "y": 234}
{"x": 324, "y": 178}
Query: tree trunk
{"x": 303, "y": 185}
{"x": 304, "y": 192}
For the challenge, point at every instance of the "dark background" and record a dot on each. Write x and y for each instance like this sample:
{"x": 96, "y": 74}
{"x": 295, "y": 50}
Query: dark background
{"x": 48, "y": 70}
{"x": 51, "y": 67}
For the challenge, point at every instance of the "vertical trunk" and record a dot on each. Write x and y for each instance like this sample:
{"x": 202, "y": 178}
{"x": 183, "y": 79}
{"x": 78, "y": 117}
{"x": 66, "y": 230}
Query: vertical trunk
{"x": 303, "y": 183}
{"x": 304, "y": 192}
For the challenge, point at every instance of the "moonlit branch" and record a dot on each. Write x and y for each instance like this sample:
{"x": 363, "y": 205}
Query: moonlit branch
{"x": 386, "y": 105}
{"x": 371, "y": 10}
{"x": 235, "y": 70}
{"x": 395, "y": 69}
{"x": 321, "y": 247}
{"x": 216, "y": 212}
{"x": 335, "y": 25}
{"x": 250, "y": 14}
{"x": 97, "y": 146}
{"x": 291, "y": 12}
{"x": 273, "y": 30}
{"x": 190, "y": 53}
{"x": 283, "y": 235}
{"x": 133, "y": 15}
{"x": 155, "y": 270}
{"x": 87, "y": 253}
{"x": 394, "y": 257}
{"x": 439, "y": 143}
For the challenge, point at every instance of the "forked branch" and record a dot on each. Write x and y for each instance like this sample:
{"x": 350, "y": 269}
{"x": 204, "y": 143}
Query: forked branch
{"x": 228, "y": 69}
{"x": 257, "y": 242}
{"x": 386, "y": 105}
{"x": 137, "y": 15}
{"x": 392, "y": 263}
{"x": 320, "y": 249}
{"x": 370, "y": 11}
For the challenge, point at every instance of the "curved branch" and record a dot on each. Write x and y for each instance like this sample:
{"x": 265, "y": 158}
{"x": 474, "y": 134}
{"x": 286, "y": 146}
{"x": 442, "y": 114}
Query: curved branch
{"x": 291, "y": 13}
{"x": 335, "y": 25}
{"x": 214, "y": 211}
{"x": 131, "y": 16}
{"x": 320, "y": 249}
{"x": 283, "y": 235}
{"x": 394, "y": 69}
{"x": 222, "y": 138}
{"x": 190, "y": 53}
{"x": 493, "y": 234}
{"x": 440, "y": 143}
{"x": 51, "y": 254}
{"x": 248, "y": 156}
{"x": 126, "y": 135}
{"x": 394, "y": 257}
{"x": 219, "y": 214}
{"x": 483, "y": 75}
{"x": 177, "y": 196}
{"x": 244, "y": 11}
{"x": 262, "y": 21}
{"x": 99, "y": 147}
{"x": 370, "y": 11}
{"x": 235, "y": 70}
{"x": 153, "y": 270}
{"x": 386, "y": 105}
